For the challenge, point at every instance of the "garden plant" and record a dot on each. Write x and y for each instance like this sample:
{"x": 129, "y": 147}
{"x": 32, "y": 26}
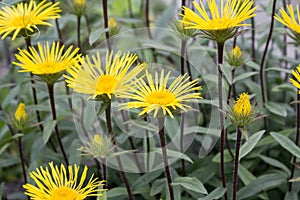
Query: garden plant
{"x": 140, "y": 99}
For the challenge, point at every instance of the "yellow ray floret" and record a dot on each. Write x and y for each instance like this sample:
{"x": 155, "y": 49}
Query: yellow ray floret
{"x": 20, "y": 112}
{"x": 227, "y": 16}
{"x": 156, "y": 94}
{"x": 242, "y": 107}
{"x": 289, "y": 19}
{"x": 59, "y": 184}
{"x": 47, "y": 60}
{"x": 26, "y": 16}
{"x": 296, "y": 81}
{"x": 114, "y": 78}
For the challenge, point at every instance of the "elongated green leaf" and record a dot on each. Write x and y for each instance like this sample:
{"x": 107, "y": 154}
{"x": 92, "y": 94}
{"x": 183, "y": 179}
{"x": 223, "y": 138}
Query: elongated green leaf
{"x": 244, "y": 76}
{"x": 286, "y": 143}
{"x": 190, "y": 184}
{"x": 275, "y": 163}
{"x": 215, "y": 194}
{"x": 158, "y": 186}
{"x": 245, "y": 175}
{"x": 175, "y": 154}
{"x": 146, "y": 178}
{"x": 276, "y": 108}
{"x": 95, "y": 35}
{"x": 117, "y": 191}
{"x": 227, "y": 157}
{"x": 260, "y": 184}
{"x": 249, "y": 145}
{"x": 48, "y": 130}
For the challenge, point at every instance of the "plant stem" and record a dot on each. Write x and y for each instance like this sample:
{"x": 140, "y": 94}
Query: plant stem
{"x": 88, "y": 25}
{"x": 105, "y": 18}
{"x": 147, "y": 148}
{"x": 236, "y": 162}
{"x": 104, "y": 171}
{"x": 78, "y": 32}
{"x": 262, "y": 63}
{"x": 58, "y": 29}
{"x": 162, "y": 138}
{"x": 53, "y": 110}
{"x": 20, "y": 147}
{"x": 253, "y": 38}
{"x": 220, "y": 48}
{"x": 110, "y": 131}
{"x": 296, "y": 141}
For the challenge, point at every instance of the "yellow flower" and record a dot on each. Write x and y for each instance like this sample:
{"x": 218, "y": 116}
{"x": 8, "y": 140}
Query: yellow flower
{"x": 99, "y": 147}
{"x": 242, "y": 107}
{"x": 288, "y": 19}
{"x": 20, "y": 112}
{"x": 296, "y": 81}
{"x": 112, "y": 22}
{"x": 237, "y": 52}
{"x": 235, "y": 57}
{"x": 80, "y": 2}
{"x": 116, "y": 79}
{"x": 60, "y": 184}
{"x": 46, "y": 60}
{"x": 219, "y": 18}
{"x": 25, "y": 17}
{"x": 157, "y": 95}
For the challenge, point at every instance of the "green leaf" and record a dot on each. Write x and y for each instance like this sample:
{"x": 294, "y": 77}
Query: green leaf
{"x": 146, "y": 178}
{"x": 158, "y": 186}
{"x": 174, "y": 154}
{"x": 260, "y": 184}
{"x": 117, "y": 191}
{"x": 227, "y": 157}
{"x": 191, "y": 184}
{"x": 95, "y": 35}
{"x": 275, "y": 163}
{"x": 215, "y": 194}
{"x": 48, "y": 130}
{"x": 244, "y": 76}
{"x": 276, "y": 108}
{"x": 249, "y": 145}
{"x": 286, "y": 143}
{"x": 245, "y": 175}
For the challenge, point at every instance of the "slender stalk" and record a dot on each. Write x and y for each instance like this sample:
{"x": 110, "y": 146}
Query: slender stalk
{"x": 130, "y": 13}
{"x": 147, "y": 13}
{"x": 53, "y": 110}
{"x": 121, "y": 169}
{"x": 104, "y": 171}
{"x": 88, "y": 24}
{"x": 147, "y": 148}
{"x": 20, "y": 147}
{"x": 220, "y": 48}
{"x": 262, "y": 63}
{"x": 78, "y": 31}
{"x": 182, "y": 4}
{"x": 58, "y": 29}
{"x": 296, "y": 141}
{"x": 163, "y": 146}
{"x": 236, "y": 162}
{"x": 253, "y": 38}
{"x": 105, "y": 18}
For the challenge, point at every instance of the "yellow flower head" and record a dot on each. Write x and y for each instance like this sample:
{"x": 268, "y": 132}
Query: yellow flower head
{"x": 237, "y": 52}
{"x": 25, "y": 17}
{"x": 80, "y": 2}
{"x": 235, "y": 57}
{"x": 59, "y": 184}
{"x": 112, "y": 22}
{"x": 218, "y": 17}
{"x": 290, "y": 20}
{"x": 296, "y": 80}
{"x": 115, "y": 79}
{"x": 46, "y": 60}
{"x": 242, "y": 107}
{"x": 99, "y": 147}
{"x": 156, "y": 94}
{"x": 20, "y": 112}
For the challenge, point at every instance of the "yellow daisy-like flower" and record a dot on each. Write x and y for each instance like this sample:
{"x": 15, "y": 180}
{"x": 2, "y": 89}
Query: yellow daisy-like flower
{"x": 296, "y": 81}
{"x": 115, "y": 79}
{"x": 156, "y": 94}
{"x": 59, "y": 184}
{"x": 242, "y": 107}
{"x": 20, "y": 112}
{"x": 219, "y": 18}
{"x": 290, "y": 21}
{"x": 25, "y": 17}
{"x": 46, "y": 61}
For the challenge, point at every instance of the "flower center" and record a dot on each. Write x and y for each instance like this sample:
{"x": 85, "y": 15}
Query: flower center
{"x": 50, "y": 67}
{"x": 64, "y": 193}
{"x": 106, "y": 84}
{"x": 161, "y": 97}
{"x": 22, "y": 21}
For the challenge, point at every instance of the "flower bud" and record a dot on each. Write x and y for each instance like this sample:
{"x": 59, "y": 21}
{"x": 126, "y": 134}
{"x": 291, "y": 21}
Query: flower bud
{"x": 235, "y": 57}
{"x": 20, "y": 113}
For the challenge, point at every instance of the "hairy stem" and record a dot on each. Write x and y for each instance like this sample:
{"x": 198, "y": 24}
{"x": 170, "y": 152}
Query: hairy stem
{"x": 262, "y": 63}
{"x": 78, "y": 32}
{"x": 162, "y": 138}
{"x": 236, "y": 162}
{"x": 220, "y": 48}
{"x": 53, "y": 110}
{"x": 105, "y": 18}
{"x": 58, "y": 29}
